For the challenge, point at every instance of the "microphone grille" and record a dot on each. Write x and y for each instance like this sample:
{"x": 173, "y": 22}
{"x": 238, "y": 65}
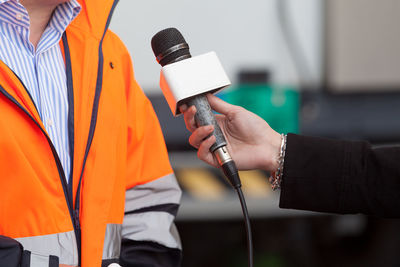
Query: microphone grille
{"x": 163, "y": 44}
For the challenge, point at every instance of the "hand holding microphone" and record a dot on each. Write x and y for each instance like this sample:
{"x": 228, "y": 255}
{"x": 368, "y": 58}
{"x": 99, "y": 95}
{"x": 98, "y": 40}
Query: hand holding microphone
{"x": 185, "y": 82}
{"x": 253, "y": 144}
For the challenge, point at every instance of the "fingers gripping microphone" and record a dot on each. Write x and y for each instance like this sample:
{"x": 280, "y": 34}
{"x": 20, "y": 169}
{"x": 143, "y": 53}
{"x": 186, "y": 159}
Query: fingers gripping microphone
{"x": 197, "y": 75}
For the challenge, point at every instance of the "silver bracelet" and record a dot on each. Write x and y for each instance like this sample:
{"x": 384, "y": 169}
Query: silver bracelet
{"x": 276, "y": 177}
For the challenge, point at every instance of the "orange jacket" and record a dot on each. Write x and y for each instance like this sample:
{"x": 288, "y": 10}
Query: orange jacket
{"x": 118, "y": 151}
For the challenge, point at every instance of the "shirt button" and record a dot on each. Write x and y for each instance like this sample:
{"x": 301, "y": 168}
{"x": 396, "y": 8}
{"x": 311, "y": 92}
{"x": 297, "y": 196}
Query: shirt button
{"x": 19, "y": 16}
{"x": 49, "y": 122}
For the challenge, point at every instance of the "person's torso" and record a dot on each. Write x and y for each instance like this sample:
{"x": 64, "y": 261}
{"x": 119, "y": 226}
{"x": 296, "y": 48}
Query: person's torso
{"x": 37, "y": 206}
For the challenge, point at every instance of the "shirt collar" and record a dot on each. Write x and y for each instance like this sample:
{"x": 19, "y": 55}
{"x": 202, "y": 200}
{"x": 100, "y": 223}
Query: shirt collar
{"x": 64, "y": 14}
{"x": 11, "y": 11}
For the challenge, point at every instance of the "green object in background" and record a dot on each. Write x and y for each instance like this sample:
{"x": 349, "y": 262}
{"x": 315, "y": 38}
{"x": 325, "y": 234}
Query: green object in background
{"x": 277, "y": 105}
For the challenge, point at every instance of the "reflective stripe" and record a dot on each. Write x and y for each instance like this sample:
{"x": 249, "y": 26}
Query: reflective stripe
{"x": 147, "y": 217}
{"x": 164, "y": 190}
{"x": 39, "y": 260}
{"x": 62, "y": 245}
{"x": 152, "y": 226}
{"x": 112, "y": 242}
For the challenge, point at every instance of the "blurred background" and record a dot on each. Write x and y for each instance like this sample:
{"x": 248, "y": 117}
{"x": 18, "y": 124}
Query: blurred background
{"x": 316, "y": 67}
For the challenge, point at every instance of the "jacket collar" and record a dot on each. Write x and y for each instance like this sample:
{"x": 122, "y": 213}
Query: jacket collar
{"x": 94, "y": 16}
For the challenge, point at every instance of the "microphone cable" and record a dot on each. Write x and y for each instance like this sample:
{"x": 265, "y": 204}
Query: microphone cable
{"x": 232, "y": 174}
{"x": 247, "y": 225}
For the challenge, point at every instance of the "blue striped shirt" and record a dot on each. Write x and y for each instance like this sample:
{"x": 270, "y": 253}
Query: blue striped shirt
{"x": 42, "y": 70}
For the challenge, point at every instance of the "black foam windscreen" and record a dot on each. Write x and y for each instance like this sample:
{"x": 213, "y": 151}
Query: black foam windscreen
{"x": 166, "y": 39}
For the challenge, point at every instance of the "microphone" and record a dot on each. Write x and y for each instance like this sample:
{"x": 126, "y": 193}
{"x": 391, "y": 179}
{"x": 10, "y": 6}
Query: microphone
{"x": 187, "y": 80}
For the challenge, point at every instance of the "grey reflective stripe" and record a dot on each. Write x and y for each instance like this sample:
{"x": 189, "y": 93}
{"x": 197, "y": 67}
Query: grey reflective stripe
{"x": 112, "y": 242}
{"x": 164, "y": 190}
{"x": 39, "y": 260}
{"x": 62, "y": 245}
{"x": 157, "y": 227}
{"x": 147, "y": 224}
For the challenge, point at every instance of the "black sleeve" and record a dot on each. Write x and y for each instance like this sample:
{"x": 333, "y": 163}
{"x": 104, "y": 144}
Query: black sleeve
{"x": 341, "y": 177}
{"x": 148, "y": 254}
{"x": 10, "y": 252}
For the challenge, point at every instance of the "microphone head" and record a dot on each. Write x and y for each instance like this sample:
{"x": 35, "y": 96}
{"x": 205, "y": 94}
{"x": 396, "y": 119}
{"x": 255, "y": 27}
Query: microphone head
{"x": 169, "y": 46}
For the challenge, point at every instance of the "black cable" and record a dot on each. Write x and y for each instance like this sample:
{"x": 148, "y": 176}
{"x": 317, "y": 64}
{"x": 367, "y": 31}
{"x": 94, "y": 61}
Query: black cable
{"x": 248, "y": 227}
{"x": 231, "y": 172}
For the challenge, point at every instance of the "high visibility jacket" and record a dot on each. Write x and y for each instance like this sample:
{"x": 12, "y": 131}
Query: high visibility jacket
{"x": 123, "y": 196}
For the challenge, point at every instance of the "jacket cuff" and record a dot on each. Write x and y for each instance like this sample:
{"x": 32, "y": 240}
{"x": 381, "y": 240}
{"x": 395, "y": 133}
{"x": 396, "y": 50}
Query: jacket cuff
{"x": 149, "y": 254}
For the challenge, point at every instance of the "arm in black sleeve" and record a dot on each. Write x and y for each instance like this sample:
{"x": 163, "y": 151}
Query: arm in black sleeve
{"x": 10, "y": 252}
{"x": 341, "y": 177}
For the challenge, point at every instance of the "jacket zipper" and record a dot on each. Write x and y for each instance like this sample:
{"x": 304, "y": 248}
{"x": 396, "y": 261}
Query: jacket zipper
{"x": 71, "y": 126}
{"x": 99, "y": 84}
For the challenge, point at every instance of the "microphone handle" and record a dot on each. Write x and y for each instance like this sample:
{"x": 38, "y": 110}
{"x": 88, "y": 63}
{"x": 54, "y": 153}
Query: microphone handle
{"x": 204, "y": 116}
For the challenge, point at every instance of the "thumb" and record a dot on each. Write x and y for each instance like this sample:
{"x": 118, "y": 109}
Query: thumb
{"x": 219, "y": 105}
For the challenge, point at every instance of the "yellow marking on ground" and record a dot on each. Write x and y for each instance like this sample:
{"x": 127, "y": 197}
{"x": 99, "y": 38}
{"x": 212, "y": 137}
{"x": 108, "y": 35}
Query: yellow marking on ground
{"x": 255, "y": 183}
{"x": 201, "y": 183}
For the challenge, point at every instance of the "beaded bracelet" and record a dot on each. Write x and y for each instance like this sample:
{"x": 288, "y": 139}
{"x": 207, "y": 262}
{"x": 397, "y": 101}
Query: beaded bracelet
{"x": 276, "y": 177}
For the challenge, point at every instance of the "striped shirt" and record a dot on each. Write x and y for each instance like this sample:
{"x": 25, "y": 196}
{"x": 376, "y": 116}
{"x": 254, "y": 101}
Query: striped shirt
{"x": 42, "y": 70}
